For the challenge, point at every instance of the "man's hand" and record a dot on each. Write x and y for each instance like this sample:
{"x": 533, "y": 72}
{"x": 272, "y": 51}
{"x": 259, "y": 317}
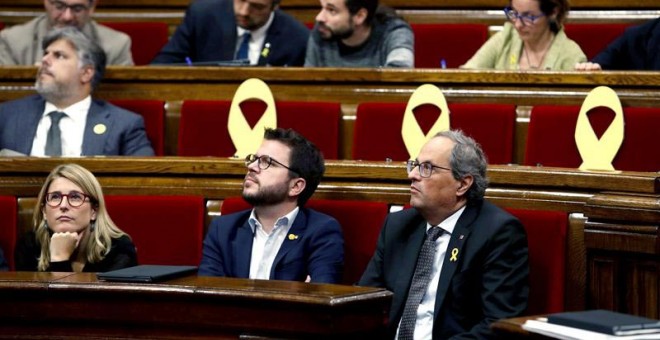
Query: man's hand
{"x": 588, "y": 66}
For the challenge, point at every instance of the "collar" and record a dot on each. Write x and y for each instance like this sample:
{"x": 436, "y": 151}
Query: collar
{"x": 76, "y": 112}
{"x": 286, "y": 220}
{"x": 259, "y": 33}
{"x": 449, "y": 223}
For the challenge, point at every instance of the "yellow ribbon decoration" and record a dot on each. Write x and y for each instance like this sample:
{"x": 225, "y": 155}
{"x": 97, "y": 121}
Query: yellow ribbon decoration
{"x": 454, "y": 255}
{"x": 412, "y": 134}
{"x": 598, "y": 154}
{"x": 247, "y": 140}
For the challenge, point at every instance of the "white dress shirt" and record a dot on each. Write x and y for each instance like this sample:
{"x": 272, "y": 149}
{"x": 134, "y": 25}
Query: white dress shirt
{"x": 424, "y": 322}
{"x": 72, "y": 127}
{"x": 256, "y": 40}
{"x": 266, "y": 246}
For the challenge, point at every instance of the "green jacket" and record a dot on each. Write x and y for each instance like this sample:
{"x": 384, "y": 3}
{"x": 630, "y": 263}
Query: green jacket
{"x": 502, "y": 52}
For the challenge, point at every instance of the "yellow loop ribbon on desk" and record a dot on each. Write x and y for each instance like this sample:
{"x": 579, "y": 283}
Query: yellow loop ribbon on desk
{"x": 246, "y": 139}
{"x": 598, "y": 154}
{"x": 412, "y": 134}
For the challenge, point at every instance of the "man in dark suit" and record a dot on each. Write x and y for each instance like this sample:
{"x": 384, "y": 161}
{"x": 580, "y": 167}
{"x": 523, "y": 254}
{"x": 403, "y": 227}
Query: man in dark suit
{"x": 213, "y": 30}
{"x": 478, "y": 265}
{"x": 71, "y": 68}
{"x": 279, "y": 239}
{"x": 638, "y": 48}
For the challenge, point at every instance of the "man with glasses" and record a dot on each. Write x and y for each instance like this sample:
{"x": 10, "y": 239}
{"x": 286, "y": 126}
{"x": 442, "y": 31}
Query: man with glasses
{"x": 254, "y": 32}
{"x": 21, "y": 44}
{"x": 533, "y": 38}
{"x": 455, "y": 262}
{"x": 279, "y": 239}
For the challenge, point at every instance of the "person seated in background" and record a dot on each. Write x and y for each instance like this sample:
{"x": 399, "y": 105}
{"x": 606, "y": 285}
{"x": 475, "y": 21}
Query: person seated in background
{"x": 638, "y": 48}
{"x": 533, "y": 39}
{"x": 279, "y": 239}
{"x": 455, "y": 262}
{"x": 359, "y": 33}
{"x": 3, "y": 263}
{"x": 72, "y": 229}
{"x": 63, "y": 119}
{"x": 225, "y": 30}
{"x": 21, "y": 44}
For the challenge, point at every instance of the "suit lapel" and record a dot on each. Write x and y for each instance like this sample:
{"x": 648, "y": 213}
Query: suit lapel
{"x": 292, "y": 239}
{"x": 242, "y": 247}
{"x": 453, "y": 256}
{"x": 411, "y": 253}
{"x": 96, "y": 130}
{"x": 271, "y": 35}
{"x": 33, "y": 114}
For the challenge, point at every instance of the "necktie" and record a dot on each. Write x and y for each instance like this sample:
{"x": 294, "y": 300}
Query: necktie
{"x": 243, "y": 49}
{"x": 54, "y": 138}
{"x": 419, "y": 283}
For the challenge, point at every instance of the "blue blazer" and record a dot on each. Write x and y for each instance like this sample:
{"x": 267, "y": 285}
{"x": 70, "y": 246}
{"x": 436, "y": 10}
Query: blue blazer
{"x": 487, "y": 281}
{"x": 125, "y": 133}
{"x": 208, "y": 33}
{"x": 317, "y": 251}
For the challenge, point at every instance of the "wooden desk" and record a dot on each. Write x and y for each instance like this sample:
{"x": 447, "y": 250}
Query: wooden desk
{"x": 512, "y": 328}
{"x": 67, "y": 305}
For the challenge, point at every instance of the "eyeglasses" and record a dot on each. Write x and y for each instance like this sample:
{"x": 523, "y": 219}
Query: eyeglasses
{"x": 75, "y": 199}
{"x": 61, "y": 6}
{"x": 425, "y": 168}
{"x": 264, "y": 162}
{"x": 526, "y": 19}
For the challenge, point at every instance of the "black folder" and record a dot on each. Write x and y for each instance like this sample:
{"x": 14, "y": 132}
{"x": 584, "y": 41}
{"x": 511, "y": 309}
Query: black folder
{"x": 605, "y": 321}
{"x": 146, "y": 273}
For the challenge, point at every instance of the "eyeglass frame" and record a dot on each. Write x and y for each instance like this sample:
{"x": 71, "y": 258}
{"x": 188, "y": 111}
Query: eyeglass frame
{"x": 251, "y": 158}
{"x": 86, "y": 198}
{"x": 411, "y": 164}
{"x": 62, "y": 6}
{"x": 522, "y": 17}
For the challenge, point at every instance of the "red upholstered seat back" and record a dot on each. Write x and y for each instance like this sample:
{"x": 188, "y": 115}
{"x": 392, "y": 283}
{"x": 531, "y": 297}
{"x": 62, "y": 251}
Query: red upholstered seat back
{"x": 551, "y": 137}
{"x": 546, "y": 237}
{"x": 165, "y": 229}
{"x": 153, "y": 112}
{"x": 8, "y": 211}
{"x": 203, "y": 125}
{"x": 593, "y": 38}
{"x": 377, "y": 133}
{"x": 360, "y": 221}
{"x": 453, "y": 43}
{"x": 147, "y": 38}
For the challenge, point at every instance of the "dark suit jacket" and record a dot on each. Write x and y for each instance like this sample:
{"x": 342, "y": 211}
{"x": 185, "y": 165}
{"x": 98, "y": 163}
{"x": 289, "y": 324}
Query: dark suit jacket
{"x": 638, "y": 48}
{"x": 317, "y": 251}
{"x": 124, "y": 135}
{"x": 488, "y": 281}
{"x": 208, "y": 33}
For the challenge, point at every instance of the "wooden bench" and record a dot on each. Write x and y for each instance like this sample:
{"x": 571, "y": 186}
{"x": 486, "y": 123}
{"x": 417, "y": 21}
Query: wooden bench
{"x": 612, "y": 218}
{"x": 352, "y": 87}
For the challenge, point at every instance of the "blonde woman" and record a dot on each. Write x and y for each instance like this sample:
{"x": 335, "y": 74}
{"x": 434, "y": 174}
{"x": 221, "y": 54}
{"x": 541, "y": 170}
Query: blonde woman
{"x": 72, "y": 229}
{"x": 532, "y": 39}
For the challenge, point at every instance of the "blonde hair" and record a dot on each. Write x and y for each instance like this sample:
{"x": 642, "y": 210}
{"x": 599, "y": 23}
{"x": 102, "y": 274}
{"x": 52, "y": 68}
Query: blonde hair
{"x": 101, "y": 232}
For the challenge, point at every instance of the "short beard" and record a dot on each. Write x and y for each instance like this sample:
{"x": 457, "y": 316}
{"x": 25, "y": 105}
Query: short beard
{"x": 52, "y": 93}
{"x": 268, "y": 196}
{"x": 338, "y": 35}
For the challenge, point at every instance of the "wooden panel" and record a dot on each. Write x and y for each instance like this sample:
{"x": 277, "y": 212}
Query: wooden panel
{"x": 42, "y": 304}
{"x": 602, "y": 283}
